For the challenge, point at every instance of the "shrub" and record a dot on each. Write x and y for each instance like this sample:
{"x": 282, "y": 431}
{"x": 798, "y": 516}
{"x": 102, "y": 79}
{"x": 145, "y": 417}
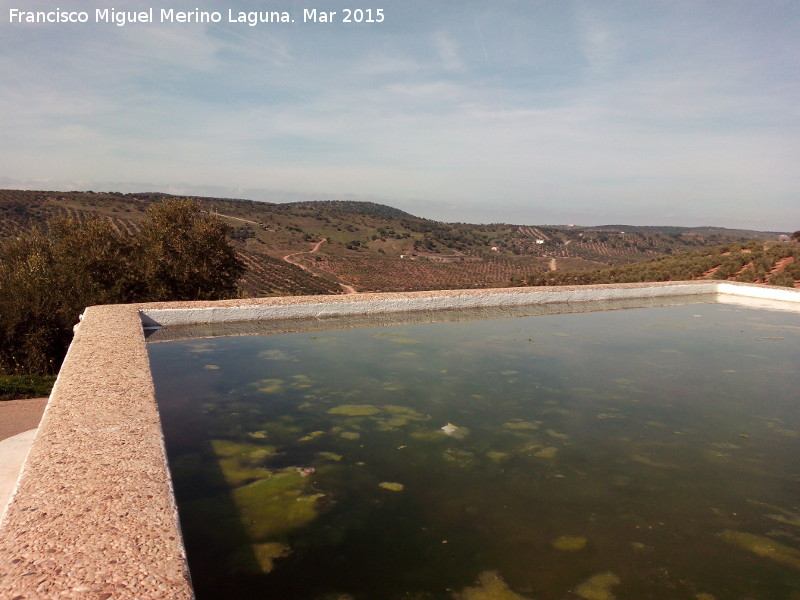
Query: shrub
{"x": 25, "y": 386}
{"x": 782, "y": 279}
{"x": 748, "y": 275}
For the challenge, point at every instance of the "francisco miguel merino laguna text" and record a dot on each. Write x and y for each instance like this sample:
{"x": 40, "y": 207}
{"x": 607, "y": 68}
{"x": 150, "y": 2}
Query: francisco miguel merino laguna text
{"x": 170, "y": 15}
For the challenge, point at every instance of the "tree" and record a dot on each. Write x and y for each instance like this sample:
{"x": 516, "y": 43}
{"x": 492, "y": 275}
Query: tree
{"x": 185, "y": 254}
{"x": 50, "y": 274}
{"x": 96, "y": 262}
{"x": 30, "y": 330}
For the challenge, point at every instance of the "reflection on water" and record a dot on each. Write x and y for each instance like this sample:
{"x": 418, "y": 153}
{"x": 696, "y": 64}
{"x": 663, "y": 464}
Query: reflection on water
{"x": 632, "y": 454}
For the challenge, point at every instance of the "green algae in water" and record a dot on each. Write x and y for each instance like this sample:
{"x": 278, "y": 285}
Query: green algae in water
{"x": 405, "y": 411}
{"x": 271, "y": 508}
{"x": 391, "y": 486}
{"x": 241, "y": 462}
{"x": 556, "y": 435}
{"x": 763, "y": 546}
{"x": 355, "y": 410}
{"x": 598, "y": 587}
{"x": 547, "y": 453}
{"x": 403, "y": 340}
{"x": 632, "y": 447}
{"x": 490, "y": 587}
{"x": 257, "y": 559}
{"x": 274, "y": 354}
{"x": 498, "y": 456}
{"x": 570, "y": 543}
{"x": 522, "y": 425}
{"x": 269, "y": 386}
{"x": 330, "y": 456}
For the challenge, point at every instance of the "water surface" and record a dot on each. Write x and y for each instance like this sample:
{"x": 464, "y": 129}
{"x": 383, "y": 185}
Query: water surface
{"x": 632, "y": 454}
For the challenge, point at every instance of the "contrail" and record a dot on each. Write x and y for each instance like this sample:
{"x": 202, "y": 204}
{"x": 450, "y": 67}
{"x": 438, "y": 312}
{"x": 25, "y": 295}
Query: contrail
{"x": 483, "y": 45}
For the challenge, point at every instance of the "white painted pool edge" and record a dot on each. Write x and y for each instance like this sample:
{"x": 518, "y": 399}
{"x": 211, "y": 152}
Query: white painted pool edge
{"x": 463, "y": 299}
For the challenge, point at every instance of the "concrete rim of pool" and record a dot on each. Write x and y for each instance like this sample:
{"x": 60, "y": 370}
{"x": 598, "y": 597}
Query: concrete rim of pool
{"x": 93, "y": 513}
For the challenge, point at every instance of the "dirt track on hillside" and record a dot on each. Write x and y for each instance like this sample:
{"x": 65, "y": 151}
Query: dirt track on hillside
{"x": 349, "y": 289}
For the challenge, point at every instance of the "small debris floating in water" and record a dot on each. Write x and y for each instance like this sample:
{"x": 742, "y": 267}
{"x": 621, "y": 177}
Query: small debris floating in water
{"x": 455, "y": 431}
{"x": 306, "y": 471}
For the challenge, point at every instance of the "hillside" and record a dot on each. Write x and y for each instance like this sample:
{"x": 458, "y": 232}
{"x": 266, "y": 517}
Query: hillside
{"x": 327, "y": 247}
{"x": 776, "y": 263}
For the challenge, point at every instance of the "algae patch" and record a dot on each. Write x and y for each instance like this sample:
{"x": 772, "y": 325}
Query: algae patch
{"x": 301, "y": 382}
{"x": 241, "y": 462}
{"x": 273, "y": 507}
{"x": 522, "y": 425}
{"x": 395, "y": 337}
{"x": 275, "y": 354}
{"x": 269, "y": 386}
{"x": 652, "y": 463}
{"x": 311, "y": 436}
{"x": 330, "y": 456}
{"x": 497, "y": 455}
{"x": 392, "y": 486}
{"x": 556, "y": 435}
{"x": 570, "y": 543}
{"x": 403, "y": 340}
{"x": 257, "y": 559}
{"x": 598, "y": 587}
{"x": 787, "y": 517}
{"x": 404, "y": 411}
{"x": 490, "y": 587}
{"x": 355, "y": 410}
{"x": 549, "y": 452}
{"x": 763, "y": 546}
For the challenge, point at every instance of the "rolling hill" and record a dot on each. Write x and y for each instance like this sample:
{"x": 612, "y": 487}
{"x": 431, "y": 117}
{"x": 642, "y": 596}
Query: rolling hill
{"x": 331, "y": 247}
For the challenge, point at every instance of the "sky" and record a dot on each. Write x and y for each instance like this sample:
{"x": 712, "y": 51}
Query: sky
{"x": 644, "y": 112}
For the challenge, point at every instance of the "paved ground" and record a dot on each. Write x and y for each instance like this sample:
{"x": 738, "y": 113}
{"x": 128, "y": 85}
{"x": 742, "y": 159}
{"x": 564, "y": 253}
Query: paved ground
{"x": 17, "y": 416}
{"x": 18, "y": 422}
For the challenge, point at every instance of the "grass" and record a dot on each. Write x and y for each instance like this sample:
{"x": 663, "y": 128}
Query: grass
{"x": 14, "y": 387}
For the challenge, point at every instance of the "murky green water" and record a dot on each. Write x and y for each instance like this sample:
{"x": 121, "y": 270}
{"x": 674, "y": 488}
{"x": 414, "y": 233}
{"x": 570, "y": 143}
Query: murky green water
{"x": 631, "y": 454}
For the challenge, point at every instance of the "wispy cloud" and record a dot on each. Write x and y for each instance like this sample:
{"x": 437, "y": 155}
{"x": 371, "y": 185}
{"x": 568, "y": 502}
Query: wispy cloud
{"x": 601, "y": 45}
{"x": 447, "y": 49}
{"x": 666, "y": 110}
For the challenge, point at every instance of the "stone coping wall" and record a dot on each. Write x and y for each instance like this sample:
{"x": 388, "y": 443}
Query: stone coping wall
{"x": 93, "y": 514}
